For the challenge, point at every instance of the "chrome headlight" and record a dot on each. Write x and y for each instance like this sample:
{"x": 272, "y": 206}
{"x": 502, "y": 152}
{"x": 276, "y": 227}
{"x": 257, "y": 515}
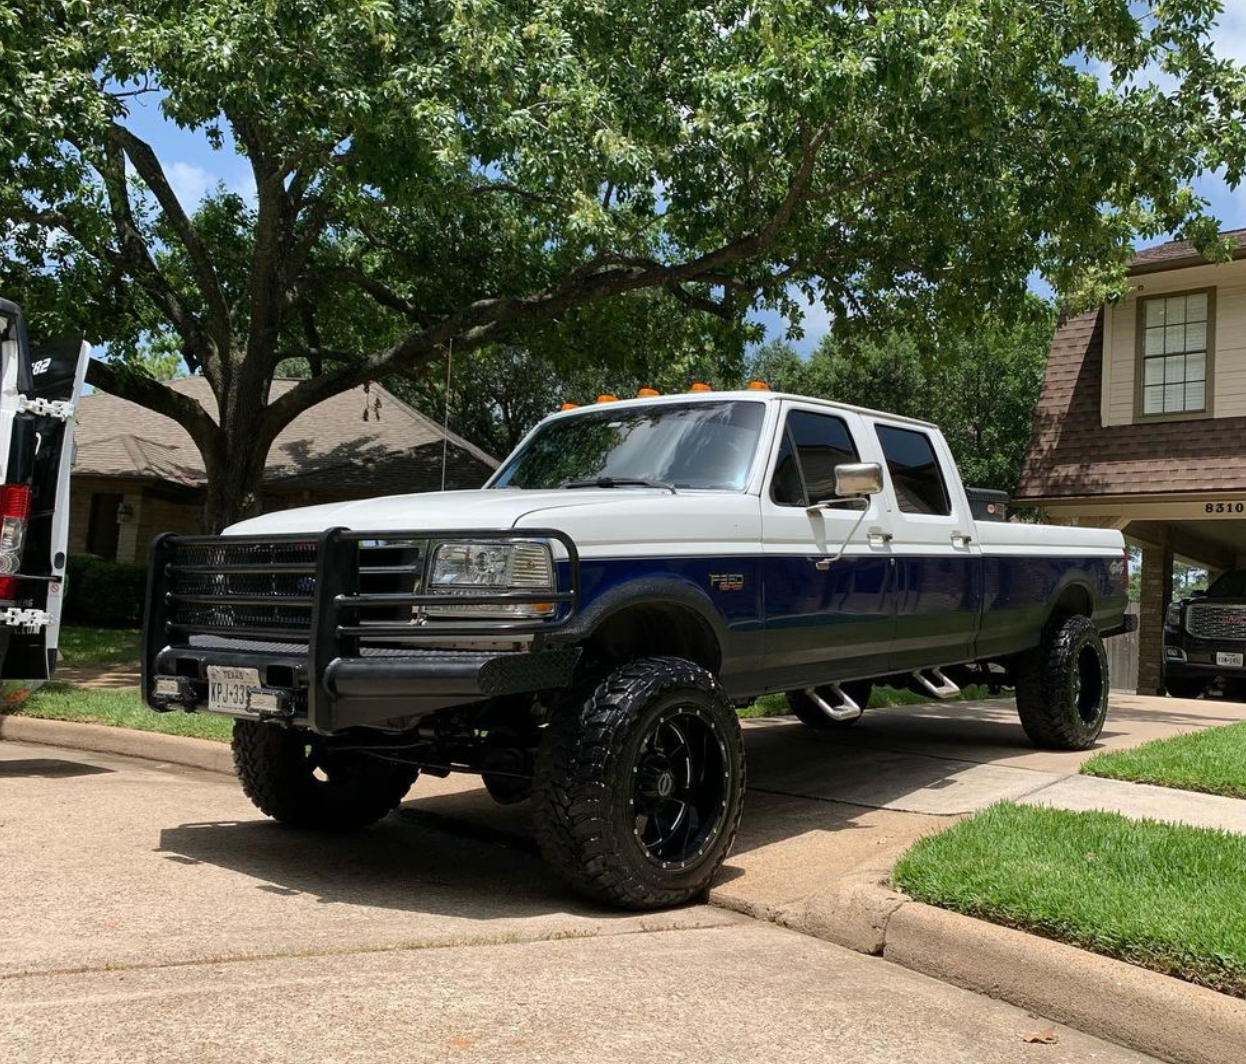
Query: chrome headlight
{"x": 1172, "y": 617}
{"x": 470, "y": 567}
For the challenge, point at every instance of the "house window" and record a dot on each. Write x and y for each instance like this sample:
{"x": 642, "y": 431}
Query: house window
{"x": 1175, "y": 342}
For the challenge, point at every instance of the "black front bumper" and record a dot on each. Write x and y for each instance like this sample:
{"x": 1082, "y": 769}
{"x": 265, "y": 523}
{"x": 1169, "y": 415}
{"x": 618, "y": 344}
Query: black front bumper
{"x": 368, "y": 690}
{"x": 330, "y": 651}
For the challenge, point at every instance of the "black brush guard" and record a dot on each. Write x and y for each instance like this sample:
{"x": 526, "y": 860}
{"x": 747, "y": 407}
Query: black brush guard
{"x": 330, "y": 649}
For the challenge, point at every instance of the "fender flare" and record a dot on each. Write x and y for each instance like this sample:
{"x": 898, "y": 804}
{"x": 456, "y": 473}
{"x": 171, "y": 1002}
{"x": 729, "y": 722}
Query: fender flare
{"x": 652, "y": 590}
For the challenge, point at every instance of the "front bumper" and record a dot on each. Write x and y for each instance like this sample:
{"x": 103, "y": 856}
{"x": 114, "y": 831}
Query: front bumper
{"x": 367, "y": 690}
{"x": 330, "y": 649}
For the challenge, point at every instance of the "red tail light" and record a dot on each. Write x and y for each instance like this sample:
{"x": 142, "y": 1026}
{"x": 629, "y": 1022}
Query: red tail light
{"x": 14, "y": 515}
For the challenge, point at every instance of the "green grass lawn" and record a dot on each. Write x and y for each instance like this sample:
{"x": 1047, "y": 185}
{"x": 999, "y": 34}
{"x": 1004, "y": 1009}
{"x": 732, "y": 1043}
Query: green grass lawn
{"x": 881, "y": 698}
{"x": 1212, "y": 760}
{"x": 1163, "y": 896}
{"x": 99, "y": 646}
{"x": 121, "y": 709}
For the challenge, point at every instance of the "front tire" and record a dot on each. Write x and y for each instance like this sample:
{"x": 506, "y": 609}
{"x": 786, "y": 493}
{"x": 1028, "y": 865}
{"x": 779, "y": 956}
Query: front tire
{"x": 639, "y": 787}
{"x": 293, "y": 777}
{"x": 1063, "y": 684}
{"x": 811, "y": 716}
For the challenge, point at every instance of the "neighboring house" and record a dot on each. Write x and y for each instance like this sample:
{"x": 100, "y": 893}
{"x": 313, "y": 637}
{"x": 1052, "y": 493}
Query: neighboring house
{"x": 137, "y": 473}
{"x": 1142, "y": 424}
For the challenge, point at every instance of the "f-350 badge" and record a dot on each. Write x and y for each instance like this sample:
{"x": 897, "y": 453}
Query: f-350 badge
{"x": 727, "y": 581}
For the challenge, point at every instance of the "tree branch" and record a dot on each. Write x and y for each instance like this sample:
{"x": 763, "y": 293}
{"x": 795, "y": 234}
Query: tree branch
{"x": 149, "y": 169}
{"x": 137, "y": 387}
{"x": 604, "y": 276}
{"x": 136, "y": 254}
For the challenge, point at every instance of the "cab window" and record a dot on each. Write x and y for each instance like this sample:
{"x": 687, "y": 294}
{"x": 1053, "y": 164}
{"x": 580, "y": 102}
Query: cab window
{"x": 811, "y": 447}
{"x": 915, "y": 472}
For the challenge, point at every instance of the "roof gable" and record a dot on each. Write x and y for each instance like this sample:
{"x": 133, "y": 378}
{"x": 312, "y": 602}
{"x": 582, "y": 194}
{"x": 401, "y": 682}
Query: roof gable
{"x": 365, "y": 439}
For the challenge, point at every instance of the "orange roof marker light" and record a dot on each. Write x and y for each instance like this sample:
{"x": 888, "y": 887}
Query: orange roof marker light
{"x": 647, "y": 393}
{"x": 607, "y": 398}
{"x": 758, "y": 386}
{"x": 700, "y": 386}
{"x": 569, "y": 406}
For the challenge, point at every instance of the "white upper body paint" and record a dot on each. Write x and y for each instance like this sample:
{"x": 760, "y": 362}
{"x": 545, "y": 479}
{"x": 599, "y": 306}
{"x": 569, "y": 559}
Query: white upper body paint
{"x": 652, "y": 522}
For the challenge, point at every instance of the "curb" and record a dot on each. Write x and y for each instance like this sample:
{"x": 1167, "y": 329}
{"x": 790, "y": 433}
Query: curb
{"x": 1156, "y": 1014}
{"x": 101, "y": 739}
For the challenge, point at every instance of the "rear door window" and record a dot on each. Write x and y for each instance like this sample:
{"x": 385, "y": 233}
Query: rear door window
{"x": 915, "y": 472}
{"x": 812, "y": 446}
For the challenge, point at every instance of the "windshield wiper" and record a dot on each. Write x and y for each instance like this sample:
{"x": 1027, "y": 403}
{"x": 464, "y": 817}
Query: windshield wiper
{"x": 620, "y": 482}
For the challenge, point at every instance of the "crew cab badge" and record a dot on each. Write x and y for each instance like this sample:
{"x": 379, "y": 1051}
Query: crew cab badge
{"x": 727, "y": 581}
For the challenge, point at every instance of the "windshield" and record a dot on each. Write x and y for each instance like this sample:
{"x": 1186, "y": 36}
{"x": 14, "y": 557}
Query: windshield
{"x": 700, "y": 446}
{"x": 1231, "y": 585}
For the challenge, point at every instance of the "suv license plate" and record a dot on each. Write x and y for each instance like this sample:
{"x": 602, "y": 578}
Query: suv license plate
{"x": 229, "y": 689}
{"x": 1231, "y": 659}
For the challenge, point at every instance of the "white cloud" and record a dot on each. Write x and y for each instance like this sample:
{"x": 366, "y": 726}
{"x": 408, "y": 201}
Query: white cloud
{"x": 190, "y": 183}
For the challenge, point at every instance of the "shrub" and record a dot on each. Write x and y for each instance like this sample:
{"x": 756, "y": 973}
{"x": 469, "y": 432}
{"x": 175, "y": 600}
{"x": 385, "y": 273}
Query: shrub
{"x": 99, "y": 592}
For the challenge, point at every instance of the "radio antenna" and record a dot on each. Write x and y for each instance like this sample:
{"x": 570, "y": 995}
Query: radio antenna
{"x": 445, "y": 420}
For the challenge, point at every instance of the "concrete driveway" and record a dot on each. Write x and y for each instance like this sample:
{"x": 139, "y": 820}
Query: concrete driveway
{"x": 152, "y": 914}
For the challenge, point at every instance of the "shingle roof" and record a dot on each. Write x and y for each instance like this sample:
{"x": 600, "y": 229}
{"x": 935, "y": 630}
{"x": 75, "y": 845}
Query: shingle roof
{"x": 329, "y": 446}
{"x": 1072, "y": 454}
{"x": 1178, "y": 253}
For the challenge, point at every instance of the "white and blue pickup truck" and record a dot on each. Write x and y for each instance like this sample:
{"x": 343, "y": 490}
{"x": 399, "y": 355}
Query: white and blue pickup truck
{"x": 580, "y": 630}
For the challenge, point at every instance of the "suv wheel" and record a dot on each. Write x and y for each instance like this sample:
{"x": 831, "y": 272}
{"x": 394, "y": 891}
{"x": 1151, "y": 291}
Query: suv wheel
{"x": 639, "y": 787}
{"x": 293, "y": 777}
{"x": 1183, "y": 687}
{"x": 812, "y": 717}
{"x": 1062, "y": 686}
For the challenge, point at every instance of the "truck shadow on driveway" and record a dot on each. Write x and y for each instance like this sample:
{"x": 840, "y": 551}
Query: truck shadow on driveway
{"x": 819, "y": 803}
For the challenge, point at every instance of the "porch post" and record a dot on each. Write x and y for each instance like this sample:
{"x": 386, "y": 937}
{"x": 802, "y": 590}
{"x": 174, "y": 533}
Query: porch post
{"x": 1156, "y": 594}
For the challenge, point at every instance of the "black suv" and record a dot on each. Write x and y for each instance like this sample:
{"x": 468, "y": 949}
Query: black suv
{"x": 1205, "y": 640}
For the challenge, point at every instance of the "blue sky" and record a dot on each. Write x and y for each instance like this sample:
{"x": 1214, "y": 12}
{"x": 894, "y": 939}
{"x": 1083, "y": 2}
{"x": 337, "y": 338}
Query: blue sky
{"x": 194, "y": 168}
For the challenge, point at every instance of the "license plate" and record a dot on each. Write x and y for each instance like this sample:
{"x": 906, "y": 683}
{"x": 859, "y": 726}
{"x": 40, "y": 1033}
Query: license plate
{"x": 1231, "y": 659}
{"x": 229, "y": 688}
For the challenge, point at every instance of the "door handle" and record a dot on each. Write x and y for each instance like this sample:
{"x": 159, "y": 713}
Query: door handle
{"x": 959, "y": 539}
{"x": 879, "y": 538}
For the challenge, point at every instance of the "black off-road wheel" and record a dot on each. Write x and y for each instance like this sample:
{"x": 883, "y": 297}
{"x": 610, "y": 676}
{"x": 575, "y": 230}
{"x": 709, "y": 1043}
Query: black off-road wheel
{"x": 293, "y": 777}
{"x": 1184, "y": 687}
{"x": 639, "y": 787}
{"x": 1062, "y": 686}
{"x": 812, "y": 717}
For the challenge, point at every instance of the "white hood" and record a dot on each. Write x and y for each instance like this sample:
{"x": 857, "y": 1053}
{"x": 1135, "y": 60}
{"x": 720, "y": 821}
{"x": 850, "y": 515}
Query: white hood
{"x": 434, "y": 510}
{"x": 603, "y": 522}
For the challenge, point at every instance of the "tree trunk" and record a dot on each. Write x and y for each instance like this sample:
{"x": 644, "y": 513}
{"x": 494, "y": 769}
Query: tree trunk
{"x": 235, "y": 471}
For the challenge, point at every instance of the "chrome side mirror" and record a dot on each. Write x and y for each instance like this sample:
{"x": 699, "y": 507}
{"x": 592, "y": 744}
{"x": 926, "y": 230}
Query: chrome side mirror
{"x": 855, "y": 482}
{"x": 858, "y": 478}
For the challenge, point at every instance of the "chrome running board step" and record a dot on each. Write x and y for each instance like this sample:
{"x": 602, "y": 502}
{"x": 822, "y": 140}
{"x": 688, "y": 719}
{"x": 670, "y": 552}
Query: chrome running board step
{"x": 940, "y": 686}
{"x": 845, "y": 709}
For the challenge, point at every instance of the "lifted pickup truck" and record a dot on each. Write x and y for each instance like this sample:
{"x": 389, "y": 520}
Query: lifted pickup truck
{"x": 580, "y": 630}
{"x": 1205, "y": 640}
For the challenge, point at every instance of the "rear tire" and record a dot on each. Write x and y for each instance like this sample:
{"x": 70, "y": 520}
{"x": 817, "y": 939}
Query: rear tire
{"x": 639, "y": 787}
{"x": 812, "y": 717}
{"x": 1184, "y": 687}
{"x": 1063, "y": 684}
{"x": 292, "y": 777}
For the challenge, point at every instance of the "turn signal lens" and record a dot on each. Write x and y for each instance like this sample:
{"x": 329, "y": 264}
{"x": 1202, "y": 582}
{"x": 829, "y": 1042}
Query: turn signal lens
{"x": 758, "y": 386}
{"x": 569, "y": 406}
{"x": 700, "y": 386}
{"x": 607, "y": 398}
{"x": 647, "y": 393}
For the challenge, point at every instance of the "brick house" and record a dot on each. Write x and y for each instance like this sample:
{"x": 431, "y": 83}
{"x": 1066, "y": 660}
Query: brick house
{"x": 137, "y": 473}
{"x": 1142, "y": 424}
